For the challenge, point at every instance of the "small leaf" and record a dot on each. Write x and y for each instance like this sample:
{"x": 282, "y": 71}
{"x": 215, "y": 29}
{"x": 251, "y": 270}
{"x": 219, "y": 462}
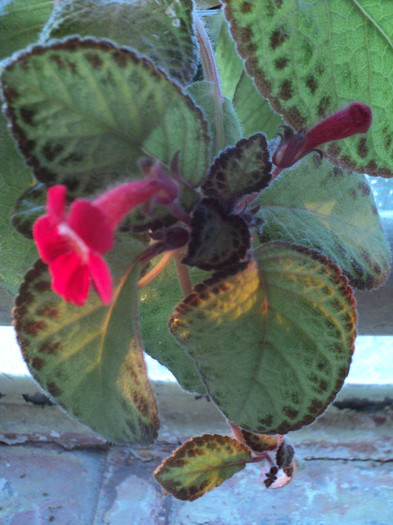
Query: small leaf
{"x": 203, "y": 95}
{"x": 84, "y": 112}
{"x": 90, "y": 358}
{"x": 16, "y": 253}
{"x": 310, "y": 59}
{"x": 284, "y": 455}
{"x": 156, "y": 305}
{"x": 21, "y": 22}
{"x": 325, "y": 208}
{"x": 218, "y": 238}
{"x": 280, "y": 474}
{"x": 273, "y": 342}
{"x": 135, "y": 24}
{"x": 239, "y": 170}
{"x": 27, "y": 209}
{"x": 200, "y": 465}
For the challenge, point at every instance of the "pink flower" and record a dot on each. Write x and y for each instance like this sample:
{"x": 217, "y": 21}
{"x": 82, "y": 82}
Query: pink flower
{"x": 72, "y": 243}
{"x": 355, "y": 118}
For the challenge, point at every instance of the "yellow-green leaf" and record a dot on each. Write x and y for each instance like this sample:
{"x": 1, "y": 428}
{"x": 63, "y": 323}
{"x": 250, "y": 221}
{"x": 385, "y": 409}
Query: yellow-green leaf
{"x": 89, "y": 358}
{"x": 273, "y": 342}
{"x": 201, "y": 464}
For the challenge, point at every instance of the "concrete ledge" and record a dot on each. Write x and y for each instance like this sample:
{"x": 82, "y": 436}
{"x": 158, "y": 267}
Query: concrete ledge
{"x": 53, "y": 469}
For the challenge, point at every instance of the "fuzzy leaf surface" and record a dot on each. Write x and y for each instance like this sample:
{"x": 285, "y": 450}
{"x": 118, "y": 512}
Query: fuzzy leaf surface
{"x": 223, "y": 116}
{"x": 310, "y": 59}
{"x": 325, "y": 208}
{"x": 239, "y": 170}
{"x": 218, "y": 239}
{"x": 157, "y": 300}
{"x": 21, "y": 22}
{"x": 200, "y": 465}
{"x": 28, "y": 208}
{"x": 89, "y": 358}
{"x": 253, "y": 110}
{"x": 279, "y": 334}
{"x": 135, "y": 24}
{"x": 15, "y": 178}
{"x": 84, "y": 111}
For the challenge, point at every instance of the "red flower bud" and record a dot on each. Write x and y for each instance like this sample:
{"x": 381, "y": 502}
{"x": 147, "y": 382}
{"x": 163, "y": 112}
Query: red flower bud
{"x": 355, "y": 118}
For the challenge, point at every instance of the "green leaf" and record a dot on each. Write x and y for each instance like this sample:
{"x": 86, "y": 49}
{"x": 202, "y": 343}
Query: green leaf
{"x": 16, "y": 253}
{"x": 157, "y": 300}
{"x": 89, "y": 358}
{"x": 27, "y": 209}
{"x": 20, "y": 23}
{"x": 253, "y": 110}
{"x": 84, "y": 111}
{"x": 311, "y": 59}
{"x": 239, "y": 170}
{"x": 323, "y": 207}
{"x": 218, "y": 238}
{"x": 272, "y": 342}
{"x": 161, "y": 31}
{"x": 200, "y": 465}
{"x": 203, "y": 95}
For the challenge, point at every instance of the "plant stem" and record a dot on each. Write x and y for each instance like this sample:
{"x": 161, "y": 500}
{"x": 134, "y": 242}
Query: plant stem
{"x": 146, "y": 279}
{"x": 182, "y": 273}
{"x": 264, "y": 456}
{"x": 211, "y": 74}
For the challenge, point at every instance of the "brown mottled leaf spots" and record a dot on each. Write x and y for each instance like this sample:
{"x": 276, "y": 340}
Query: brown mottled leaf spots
{"x": 218, "y": 239}
{"x": 258, "y": 443}
{"x": 281, "y": 332}
{"x": 89, "y": 358}
{"x": 300, "y": 63}
{"x": 239, "y": 170}
{"x": 201, "y": 464}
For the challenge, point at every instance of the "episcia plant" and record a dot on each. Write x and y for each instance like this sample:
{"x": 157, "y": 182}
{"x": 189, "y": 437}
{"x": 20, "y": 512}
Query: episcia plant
{"x": 140, "y": 165}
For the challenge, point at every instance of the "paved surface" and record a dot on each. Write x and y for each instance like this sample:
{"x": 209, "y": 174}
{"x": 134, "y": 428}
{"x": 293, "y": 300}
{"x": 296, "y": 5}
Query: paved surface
{"x": 53, "y": 470}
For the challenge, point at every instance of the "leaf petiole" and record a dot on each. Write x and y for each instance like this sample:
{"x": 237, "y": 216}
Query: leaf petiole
{"x": 146, "y": 279}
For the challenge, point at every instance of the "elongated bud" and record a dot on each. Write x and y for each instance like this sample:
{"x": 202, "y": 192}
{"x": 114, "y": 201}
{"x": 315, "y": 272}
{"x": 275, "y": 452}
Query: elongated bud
{"x": 355, "y": 118}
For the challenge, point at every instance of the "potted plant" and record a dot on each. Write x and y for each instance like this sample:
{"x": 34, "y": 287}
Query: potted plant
{"x": 144, "y": 166}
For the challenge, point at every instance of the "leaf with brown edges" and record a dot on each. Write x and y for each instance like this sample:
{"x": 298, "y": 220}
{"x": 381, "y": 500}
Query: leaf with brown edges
{"x": 331, "y": 210}
{"x": 89, "y": 358}
{"x": 136, "y": 25}
{"x": 239, "y": 170}
{"x": 310, "y": 59}
{"x": 278, "y": 332}
{"x": 200, "y": 465}
{"x": 84, "y": 112}
{"x": 218, "y": 238}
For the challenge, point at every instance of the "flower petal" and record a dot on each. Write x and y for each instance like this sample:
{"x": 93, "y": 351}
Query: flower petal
{"x": 56, "y": 203}
{"x": 70, "y": 278}
{"x": 102, "y": 277}
{"x": 49, "y": 242}
{"x": 91, "y": 225}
